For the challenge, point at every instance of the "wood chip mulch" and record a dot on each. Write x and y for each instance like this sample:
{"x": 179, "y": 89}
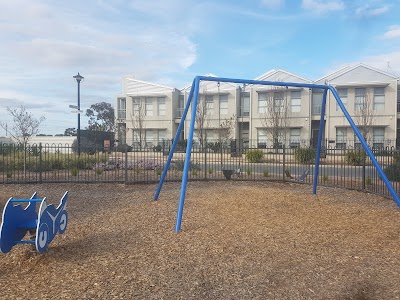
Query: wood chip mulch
{"x": 239, "y": 240}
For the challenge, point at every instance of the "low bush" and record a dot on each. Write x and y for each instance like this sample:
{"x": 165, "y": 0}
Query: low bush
{"x": 355, "y": 157}
{"x": 393, "y": 172}
{"x": 254, "y": 156}
{"x": 304, "y": 155}
{"x": 179, "y": 164}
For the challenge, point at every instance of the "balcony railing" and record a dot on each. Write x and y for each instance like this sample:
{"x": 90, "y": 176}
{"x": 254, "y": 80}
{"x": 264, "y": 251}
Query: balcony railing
{"x": 122, "y": 114}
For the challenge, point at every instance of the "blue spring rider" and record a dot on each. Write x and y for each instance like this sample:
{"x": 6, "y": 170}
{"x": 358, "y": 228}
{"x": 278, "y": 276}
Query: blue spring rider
{"x": 43, "y": 224}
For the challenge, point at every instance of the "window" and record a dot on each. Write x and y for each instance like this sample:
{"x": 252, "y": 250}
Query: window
{"x": 223, "y": 104}
{"x": 136, "y": 135}
{"x": 161, "y": 106}
{"x": 359, "y": 102}
{"x": 136, "y": 106}
{"x": 244, "y": 110}
{"x": 121, "y": 108}
{"x": 262, "y": 103}
{"x": 262, "y": 138}
{"x": 149, "y": 107}
{"x": 295, "y": 137}
{"x": 379, "y": 98}
{"x": 149, "y": 138}
{"x": 316, "y": 102}
{"x": 295, "y": 104}
{"x": 209, "y": 103}
{"x": 161, "y": 136}
{"x": 343, "y": 96}
{"x": 357, "y": 143}
{"x": 181, "y": 107}
{"x": 378, "y": 137}
{"x": 341, "y": 137}
{"x": 279, "y": 102}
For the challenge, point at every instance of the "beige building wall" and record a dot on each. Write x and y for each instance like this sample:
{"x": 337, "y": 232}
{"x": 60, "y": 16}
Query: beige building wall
{"x": 249, "y": 122}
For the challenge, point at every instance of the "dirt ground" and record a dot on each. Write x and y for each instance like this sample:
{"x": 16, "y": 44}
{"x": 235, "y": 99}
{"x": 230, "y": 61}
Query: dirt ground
{"x": 239, "y": 240}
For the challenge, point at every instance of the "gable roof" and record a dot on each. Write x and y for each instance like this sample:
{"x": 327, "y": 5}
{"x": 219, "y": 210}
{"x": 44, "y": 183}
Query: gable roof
{"x": 136, "y": 87}
{"x": 357, "y": 74}
{"x": 212, "y": 86}
{"x": 282, "y": 75}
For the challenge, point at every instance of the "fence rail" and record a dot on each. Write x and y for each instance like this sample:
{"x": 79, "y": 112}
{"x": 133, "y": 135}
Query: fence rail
{"x": 347, "y": 168}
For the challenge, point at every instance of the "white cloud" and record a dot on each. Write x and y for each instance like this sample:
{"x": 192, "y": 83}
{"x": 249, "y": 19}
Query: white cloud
{"x": 273, "y": 4}
{"x": 320, "y": 7}
{"x": 389, "y": 62}
{"x": 369, "y": 10}
{"x": 393, "y": 32}
{"x": 45, "y": 44}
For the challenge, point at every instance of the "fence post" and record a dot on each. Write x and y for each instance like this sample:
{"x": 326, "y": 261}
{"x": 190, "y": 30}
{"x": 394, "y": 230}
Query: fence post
{"x": 40, "y": 163}
{"x": 205, "y": 163}
{"x": 364, "y": 156}
{"x": 284, "y": 162}
{"x": 126, "y": 165}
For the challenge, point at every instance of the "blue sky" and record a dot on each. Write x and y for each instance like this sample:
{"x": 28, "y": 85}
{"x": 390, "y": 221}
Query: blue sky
{"x": 45, "y": 42}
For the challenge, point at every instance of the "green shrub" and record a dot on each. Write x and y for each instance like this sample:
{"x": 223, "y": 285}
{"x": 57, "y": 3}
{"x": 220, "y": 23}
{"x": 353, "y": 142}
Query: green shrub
{"x": 99, "y": 171}
{"x": 215, "y": 147}
{"x": 304, "y": 155}
{"x": 74, "y": 171}
{"x": 355, "y": 157}
{"x": 248, "y": 171}
{"x": 179, "y": 164}
{"x": 210, "y": 171}
{"x": 393, "y": 172}
{"x": 396, "y": 157}
{"x": 265, "y": 173}
{"x": 254, "y": 156}
{"x": 157, "y": 148}
{"x": 124, "y": 147}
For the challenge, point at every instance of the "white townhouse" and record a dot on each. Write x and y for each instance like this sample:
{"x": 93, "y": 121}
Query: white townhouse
{"x": 371, "y": 97}
{"x": 145, "y": 113}
{"x": 148, "y": 114}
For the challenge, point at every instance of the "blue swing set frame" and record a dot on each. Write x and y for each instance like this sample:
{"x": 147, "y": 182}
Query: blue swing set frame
{"x": 193, "y": 100}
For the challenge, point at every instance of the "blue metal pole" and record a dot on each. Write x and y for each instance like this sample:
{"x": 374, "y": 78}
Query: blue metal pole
{"x": 320, "y": 133}
{"x": 171, "y": 152}
{"x": 366, "y": 148}
{"x": 187, "y": 158}
{"x": 276, "y": 83}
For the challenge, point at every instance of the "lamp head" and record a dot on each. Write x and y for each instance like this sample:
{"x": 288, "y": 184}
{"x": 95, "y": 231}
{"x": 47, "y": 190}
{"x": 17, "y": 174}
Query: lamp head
{"x": 78, "y": 77}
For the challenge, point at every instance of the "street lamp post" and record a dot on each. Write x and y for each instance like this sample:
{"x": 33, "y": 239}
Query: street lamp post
{"x": 78, "y": 80}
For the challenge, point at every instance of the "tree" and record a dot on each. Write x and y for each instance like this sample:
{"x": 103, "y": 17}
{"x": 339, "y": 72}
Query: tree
{"x": 276, "y": 115}
{"x": 202, "y": 118}
{"x": 25, "y": 125}
{"x": 224, "y": 133}
{"x": 137, "y": 117}
{"x": 364, "y": 114}
{"x": 70, "y": 132}
{"x": 101, "y": 117}
{"x": 225, "y": 130}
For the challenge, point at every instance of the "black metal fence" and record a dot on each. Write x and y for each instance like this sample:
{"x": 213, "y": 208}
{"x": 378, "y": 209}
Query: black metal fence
{"x": 346, "y": 168}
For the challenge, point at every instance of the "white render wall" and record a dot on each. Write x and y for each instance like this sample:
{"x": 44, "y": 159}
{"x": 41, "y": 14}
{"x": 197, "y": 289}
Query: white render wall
{"x": 349, "y": 77}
